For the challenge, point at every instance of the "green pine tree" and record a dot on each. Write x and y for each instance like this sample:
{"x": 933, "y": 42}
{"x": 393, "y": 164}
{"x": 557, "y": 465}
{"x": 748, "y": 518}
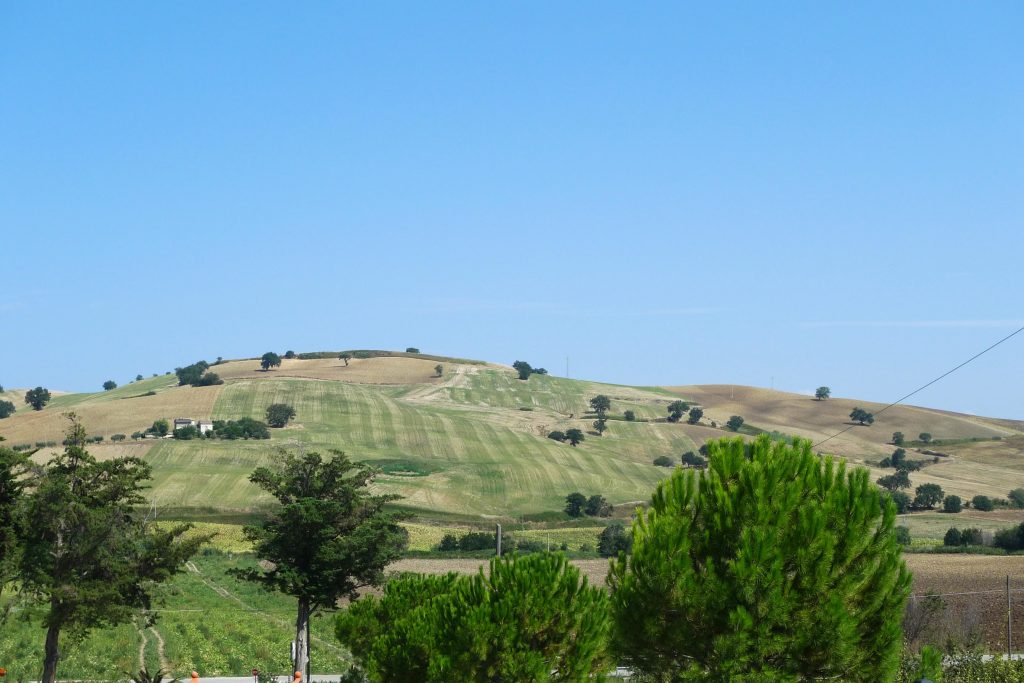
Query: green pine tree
{"x": 775, "y": 565}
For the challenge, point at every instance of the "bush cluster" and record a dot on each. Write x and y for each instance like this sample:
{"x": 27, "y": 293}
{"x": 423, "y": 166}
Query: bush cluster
{"x": 196, "y": 375}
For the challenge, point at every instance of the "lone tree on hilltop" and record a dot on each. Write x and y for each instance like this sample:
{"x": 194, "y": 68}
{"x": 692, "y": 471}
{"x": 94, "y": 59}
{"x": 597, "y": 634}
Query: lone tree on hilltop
{"x": 898, "y": 438}
{"x": 695, "y": 415}
{"x": 523, "y": 368}
{"x": 270, "y": 360}
{"x": 775, "y": 564}
{"x": 328, "y": 538}
{"x": 90, "y": 556}
{"x": 601, "y": 404}
{"x": 676, "y": 410}
{"x": 862, "y": 416}
{"x": 109, "y": 385}
{"x": 734, "y": 423}
{"x": 278, "y": 414}
{"x": 925, "y": 437}
{"x": 289, "y": 354}
{"x": 822, "y": 393}
{"x": 37, "y": 398}
{"x": 574, "y": 504}
{"x": 574, "y": 436}
{"x": 6, "y": 409}
{"x": 346, "y": 356}
{"x": 411, "y": 349}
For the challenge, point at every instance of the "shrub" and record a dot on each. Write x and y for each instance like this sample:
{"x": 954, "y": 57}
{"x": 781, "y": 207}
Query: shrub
{"x": 1016, "y": 498}
{"x": 902, "y": 535}
{"x": 613, "y": 539}
{"x": 597, "y": 506}
{"x": 664, "y": 461}
{"x": 531, "y": 618}
{"x": 6, "y": 409}
{"x": 983, "y": 503}
{"x": 629, "y": 415}
{"x": 952, "y": 504}
{"x": 757, "y": 570}
{"x": 186, "y": 433}
{"x": 118, "y": 437}
{"x": 691, "y": 459}
{"x": 952, "y": 537}
{"x": 902, "y": 502}
{"x": 278, "y": 414}
{"x": 412, "y": 349}
{"x": 972, "y": 536}
{"x": 1010, "y": 539}
{"x": 557, "y": 435}
{"x": 734, "y": 423}
{"x": 478, "y": 540}
{"x": 574, "y": 504}
{"x": 449, "y": 542}
{"x": 243, "y": 428}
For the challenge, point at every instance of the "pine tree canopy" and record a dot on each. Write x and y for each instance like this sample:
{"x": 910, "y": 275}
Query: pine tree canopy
{"x": 774, "y": 564}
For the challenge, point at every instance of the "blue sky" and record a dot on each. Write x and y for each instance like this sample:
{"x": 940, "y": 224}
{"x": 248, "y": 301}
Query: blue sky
{"x": 797, "y": 193}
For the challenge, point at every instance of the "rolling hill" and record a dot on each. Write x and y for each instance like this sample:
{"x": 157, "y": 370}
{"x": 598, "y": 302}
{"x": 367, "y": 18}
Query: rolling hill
{"x": 472, "y": 444}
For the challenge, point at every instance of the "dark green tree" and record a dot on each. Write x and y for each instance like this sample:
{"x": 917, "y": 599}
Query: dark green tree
{"x": 629, "y": 415}
{"x": 574, "y": 436}
{"x": 289, "y": 355}
{"x": 902, "y": 535}
{"x": 895, "y": 482}
{"x": 523, "y": 368}
{"x": 1016, "y": 496}
{"x": 925, "y": 437}
{"x": 691, "y": 459}
{"x": 734, "y": 423}
{"x": 13, "y": 479}
{"x": 529, "y": 619}
{"x": 952, "y": 504}
{"x": 557, "y": 435}
{"x": 109, "y": 385}
{"x": 695, "y": 415}
{"x": 345, "y": 356}
{"x": 822, "y": 393}
{"x": 613, "y": 539}
{"x": 600, "y": 425}
{"x": 90, "y": 558}
{"x": 270, "y": 360}
{"x": 676, "y": 410}
{"x": 775, "y": 565}
{"x": 575, "y": 502}
{"x": 862, "y": 416}
{"x": 664, "y": 461}
{"x": 328, "y": 538}
{"x": 601, "y": 404}
{"x": 952, "y": 537}
{"x": 6, "y": 409}
{"x": 37, "y": 398}
{"x": 927, "y": 496}
{"x": 982, "y": 503}
{"x": 597, "y": 506}
{"x": 411, "y": 349}
{"x": 278, "y": 414}
{"x": 438, "y": 370}
{"x": 897, "y": 438}
{"x": 160, "y": 428}
{"x": 902, "y": 502}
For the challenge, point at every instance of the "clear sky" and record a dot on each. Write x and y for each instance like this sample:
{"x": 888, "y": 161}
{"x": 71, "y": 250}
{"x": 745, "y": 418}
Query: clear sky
{"x": 798, "y": 193}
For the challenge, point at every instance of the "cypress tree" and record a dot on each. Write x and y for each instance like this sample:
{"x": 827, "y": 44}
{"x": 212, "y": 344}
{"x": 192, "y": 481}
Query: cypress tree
{"x": 773, "y": 565}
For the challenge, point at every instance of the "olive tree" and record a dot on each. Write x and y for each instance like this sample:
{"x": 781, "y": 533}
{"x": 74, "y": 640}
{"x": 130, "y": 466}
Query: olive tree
{"x": 774, "y": 565}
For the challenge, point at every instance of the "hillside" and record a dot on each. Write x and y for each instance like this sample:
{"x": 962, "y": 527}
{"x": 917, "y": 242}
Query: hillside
{"x": 472, "y": 444}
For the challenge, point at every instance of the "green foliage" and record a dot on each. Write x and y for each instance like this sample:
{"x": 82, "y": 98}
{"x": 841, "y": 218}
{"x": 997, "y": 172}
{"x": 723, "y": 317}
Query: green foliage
{"x": 557, "y": 435}
{"x": 37, "y": 398}
{"x": 530, "y": 619}
{"x": 196, "y": 375}
{"x": 574, "y": 504}
{"x": 691, "y": 459}
{"x": 664, "y": 461}
{"x": 327, "y": 538}
{"x": 601, "y": 404}
{"x": 449, "y": 542}
{"x": 952, "y": 537}
{"x": 902, "y": 535}
{"x": 925, "y": 437}
{"x": 894, "y": 482}
{"x": 278, "y": 414}
{"x": 901, "y": 500}
{"x": 270, "y": 360}
{"x": 1016, "y": 497}
{"x": 597, "y": 506}
{"x": 242, "y": 428}
{"x": 927, "y": 496}
{"x": 862, "y": 416}
{"x": 12, "y": 483}
{"x": 525, "y": 369}
{"x": 821, "y": 393}
{"x": 90, "y": 558}
{"x": 438, "y": 370}
{"x": 774, "y": 565}
{"x": 345, "y": 356}
{"x": 966, "y": 537}
{"x": 412, "y": 349}
{"x": 1011, "y": 539}
{"x": 983, "y": 503}
{"x": 898, "y": 438}
{"x": 695, "y": 415}
{"x": 160, "y": 428}
{"x": 289, "y": 355}
{"x": 600, "y": 426}
{"x": 959, "y": 667}
{"x": 676, "y": 410}
{"x": 614, "y": 539}
{"x": 629, "y": 415}
{"x": 186, "y": 433}
{"x": 574, "y": 436}
{"x": 109, "y": 385}
{"x": 6, "y": 409}
{"x": 952, "y": 504}
{"x": 734, "y": 423}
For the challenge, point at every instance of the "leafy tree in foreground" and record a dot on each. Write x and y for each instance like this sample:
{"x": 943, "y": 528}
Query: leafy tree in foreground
{"x": 329, "y": 537}
{"x": 346, "y": 356}
{"x": 90, "y": 558}
{"x": 529, "y": 619}
{"x": 862, "y": 416}
{"x": 822, "y": 393}
{"x": 927, "y": 496}
{"x": 278, "y": 414}
{"x": 983, "y": 503}
{"x": 952, "y": 504}
{"x": 109, "y": 385}
{"x": 734, "y": 423}
{"x": 6, "y": 409}
{"x": 775, "y": 565}
{"x": 574, "y": 436}
{"x": 270, "y": 360}
{"x": 676, "y": 410}
{"x": 12, "y": 483}
{"x": 898, "y": 438}
{"x": 695, "y": 415}
{"x": 37, "y": 398}
{"x": 574, "y": 504}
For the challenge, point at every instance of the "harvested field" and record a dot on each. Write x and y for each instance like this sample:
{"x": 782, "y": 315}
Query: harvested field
{"x": 389, "y": 370}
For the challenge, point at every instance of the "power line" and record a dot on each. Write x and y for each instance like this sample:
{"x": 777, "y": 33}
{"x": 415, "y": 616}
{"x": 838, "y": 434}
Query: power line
{"x": 922, "y": 388}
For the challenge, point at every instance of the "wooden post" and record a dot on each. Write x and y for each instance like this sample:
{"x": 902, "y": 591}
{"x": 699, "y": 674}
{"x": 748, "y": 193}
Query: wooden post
{"x": 1009, "y": 623}
{"x": 498, "y": 538}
